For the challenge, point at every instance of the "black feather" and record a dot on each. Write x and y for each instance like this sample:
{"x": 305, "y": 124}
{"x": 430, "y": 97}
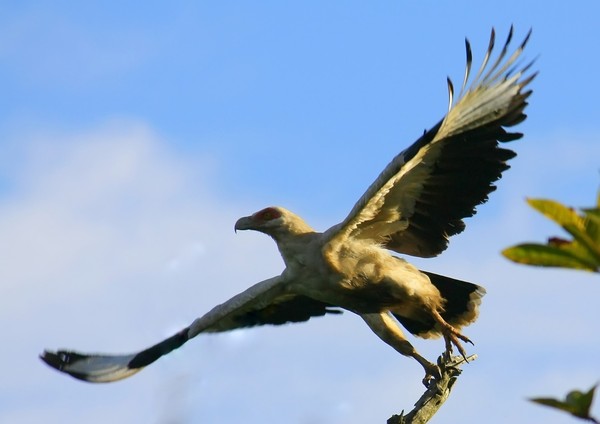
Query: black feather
{"x": 460, "y": 297}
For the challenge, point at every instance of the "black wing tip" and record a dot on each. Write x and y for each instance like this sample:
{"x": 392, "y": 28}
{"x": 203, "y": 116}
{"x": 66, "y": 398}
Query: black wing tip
{"x": 526, "y": 39}
{"x": 492, "y": 41}
{"x": 497, "y": 66}
{"x": 509, "y": 37}
{"x": 529, "y": 78}
{"x": 60, "y": 359}
{"x": 450, "y": 94}
{"x": 469, "y": 51}
{"x": 52, "y": 359}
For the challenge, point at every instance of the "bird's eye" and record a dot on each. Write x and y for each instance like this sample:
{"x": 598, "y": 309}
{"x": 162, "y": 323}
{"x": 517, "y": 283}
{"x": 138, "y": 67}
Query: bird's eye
{"x": 268, "y": 214}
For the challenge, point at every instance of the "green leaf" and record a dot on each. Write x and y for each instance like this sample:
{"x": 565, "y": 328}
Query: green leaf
{"x": 583, "y": 252}
{"x": 592, "y": 216}
{"x": 570, "y": 220}
{"x": 548, "y": 255}
{"x": 576, "y": 403}
{"x": 557, "y": 212}
{"x": 592, "y": 223}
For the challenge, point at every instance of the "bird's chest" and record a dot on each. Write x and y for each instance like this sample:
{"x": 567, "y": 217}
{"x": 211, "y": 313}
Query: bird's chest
{"x": 346, "y": 281}
{"x": 358, "y": 264}
{"x": 365, "y": 278}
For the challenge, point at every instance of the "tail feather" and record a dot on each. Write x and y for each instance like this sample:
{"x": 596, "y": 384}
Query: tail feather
{"x": 462, "y": 300}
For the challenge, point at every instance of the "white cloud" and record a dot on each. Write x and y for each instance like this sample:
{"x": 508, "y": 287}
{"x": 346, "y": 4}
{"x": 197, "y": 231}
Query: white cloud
{"x": 90, "y": 235}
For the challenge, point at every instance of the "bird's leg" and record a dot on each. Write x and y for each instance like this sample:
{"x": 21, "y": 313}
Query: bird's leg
{"x": 451, "y": 335}
{"x": 385, "y": 326}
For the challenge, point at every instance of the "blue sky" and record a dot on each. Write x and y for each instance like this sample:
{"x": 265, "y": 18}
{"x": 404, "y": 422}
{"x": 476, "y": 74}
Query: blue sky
{"x": 134, "y": 135}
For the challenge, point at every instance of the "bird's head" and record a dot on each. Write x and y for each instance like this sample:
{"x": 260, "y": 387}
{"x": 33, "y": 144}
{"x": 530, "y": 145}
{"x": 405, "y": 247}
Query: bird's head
{"x": 274, "y": 221}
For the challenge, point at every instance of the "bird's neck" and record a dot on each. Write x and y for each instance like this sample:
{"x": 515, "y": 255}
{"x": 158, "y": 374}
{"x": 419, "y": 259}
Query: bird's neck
{"x": 294, "y": 248}
{"x": 292, "y": 233}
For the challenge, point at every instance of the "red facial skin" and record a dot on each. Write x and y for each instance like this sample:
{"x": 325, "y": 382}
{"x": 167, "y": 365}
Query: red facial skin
{"x": 266, "y": 214}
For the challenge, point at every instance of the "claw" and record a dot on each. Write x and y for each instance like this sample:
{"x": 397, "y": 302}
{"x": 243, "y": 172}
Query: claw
{"x": 452, "y": 336}
{"x": 454, "y": 339}
{"x": 432, "y": 373}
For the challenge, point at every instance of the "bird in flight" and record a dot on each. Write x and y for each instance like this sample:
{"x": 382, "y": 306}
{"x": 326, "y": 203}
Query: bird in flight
{"x": 417, "y": 202}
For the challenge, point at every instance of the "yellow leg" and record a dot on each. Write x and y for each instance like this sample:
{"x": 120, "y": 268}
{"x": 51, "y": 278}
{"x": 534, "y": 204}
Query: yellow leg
{"x": 387, "y": 328}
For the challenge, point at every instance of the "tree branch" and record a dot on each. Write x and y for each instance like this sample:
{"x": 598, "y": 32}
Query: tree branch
{"x": 436, "y": 394}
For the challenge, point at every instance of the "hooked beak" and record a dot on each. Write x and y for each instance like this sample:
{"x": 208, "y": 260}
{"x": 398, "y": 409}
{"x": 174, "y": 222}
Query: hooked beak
{"x": 245, "y": 223}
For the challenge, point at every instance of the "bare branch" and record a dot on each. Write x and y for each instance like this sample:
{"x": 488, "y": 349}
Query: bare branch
{"x": 436, "y": 394}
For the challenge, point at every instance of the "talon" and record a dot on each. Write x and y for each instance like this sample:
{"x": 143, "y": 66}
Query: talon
{"x": 452, "y": 336}
{"x": 463, "y": 338}
{"x": 427, "y": 380}
{"x": 432, "y": 373}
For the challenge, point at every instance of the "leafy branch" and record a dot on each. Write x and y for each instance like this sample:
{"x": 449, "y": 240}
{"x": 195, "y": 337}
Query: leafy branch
{"x": 576, "y": 403}
{"x": 580, "y": 252}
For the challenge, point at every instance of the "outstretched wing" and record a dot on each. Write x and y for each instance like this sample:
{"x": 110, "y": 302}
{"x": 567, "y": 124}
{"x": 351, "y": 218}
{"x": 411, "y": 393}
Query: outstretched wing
{"x": 264, "y": 303}
{"x": 422, "y": 196}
